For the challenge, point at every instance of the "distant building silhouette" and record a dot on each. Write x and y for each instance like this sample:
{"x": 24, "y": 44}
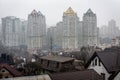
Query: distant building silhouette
{"x": 72, "y": 34}
{"x": 5, "y": 58}
{"x": 36, "y": 31}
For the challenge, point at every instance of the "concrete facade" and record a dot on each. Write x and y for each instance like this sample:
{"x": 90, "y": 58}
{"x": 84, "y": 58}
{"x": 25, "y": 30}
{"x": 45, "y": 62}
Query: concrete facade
{"x": 10, "y": 31}
{"x": 72, "y": 34}
{"x": 36, "y": 31}
{"x": 90, "y": 30}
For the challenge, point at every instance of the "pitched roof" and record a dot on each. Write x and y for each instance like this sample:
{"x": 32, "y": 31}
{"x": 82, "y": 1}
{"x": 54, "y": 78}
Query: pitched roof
{"x": 57, "y": 58}
{"x": 78, "y": 75}
{"x": 34, "y": 12}
{"x": 70, "y": 11}
{"x": 113, "y": 75}
{"x": 109, "y": 57}
{"x": 40, "y": 13}
{"x": 89, "y": 13}
{"x": 13, "y": 71}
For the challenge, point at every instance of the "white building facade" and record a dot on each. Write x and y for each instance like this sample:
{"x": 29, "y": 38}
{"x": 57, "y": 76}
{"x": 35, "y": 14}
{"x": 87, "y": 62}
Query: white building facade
{"x": 23, "y": 33}
{"x": 10, "y": 31}
{"x": 70, "y": 34}
{"x": 110, "y": 31}
{"x": 97, "y": 65}
{"x": 90, "y": 30}
{"x": 36, "y": 31}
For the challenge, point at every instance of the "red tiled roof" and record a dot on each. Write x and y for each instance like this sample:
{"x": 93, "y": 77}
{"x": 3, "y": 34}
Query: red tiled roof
{"x": 13, "y": 71}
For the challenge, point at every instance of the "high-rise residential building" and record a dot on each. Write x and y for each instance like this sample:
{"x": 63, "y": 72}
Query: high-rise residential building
{"x": 72, "y": 34}
{"x": 51, "y": 37}
{"x": 10, "y": 31}
{"x": 23, "y": 33}
{"x": 113, "y": 30}
{"x": 70, "y": 24}
{"x": 103, "y": 32}
{"x": 0, "y": 31}
{"x": 90, "y": 30}
{"x": 36, "y": 34}
{"x": 55, "y": 36}
{"x": 59, "y": 34}
{"x": 80, "y": 34}
{"x": 110, "y": 31}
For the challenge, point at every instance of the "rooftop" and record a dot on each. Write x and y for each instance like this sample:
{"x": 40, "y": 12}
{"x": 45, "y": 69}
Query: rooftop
{"x": 57, "y": 58}
{"x": 12, "y": 70}
{"x": 70, "y": 11}
{"x": 110, "y": 58}
{"x": 77, "y": 75}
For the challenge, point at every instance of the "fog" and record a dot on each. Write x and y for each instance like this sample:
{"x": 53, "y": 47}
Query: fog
{"x": 53, "y": 9}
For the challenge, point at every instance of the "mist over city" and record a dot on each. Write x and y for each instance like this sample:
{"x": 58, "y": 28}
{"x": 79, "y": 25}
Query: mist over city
{"x": 59, "y": 40}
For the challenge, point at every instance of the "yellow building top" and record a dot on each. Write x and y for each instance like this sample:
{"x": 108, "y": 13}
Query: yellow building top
{"x": 70, "y": 11}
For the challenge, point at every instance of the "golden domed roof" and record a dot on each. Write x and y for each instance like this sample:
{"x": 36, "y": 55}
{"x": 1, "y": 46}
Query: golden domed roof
{"x": 70, "y": 11}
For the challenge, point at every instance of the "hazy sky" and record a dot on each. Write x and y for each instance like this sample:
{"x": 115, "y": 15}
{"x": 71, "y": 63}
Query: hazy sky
{"x": 53, "y": 9}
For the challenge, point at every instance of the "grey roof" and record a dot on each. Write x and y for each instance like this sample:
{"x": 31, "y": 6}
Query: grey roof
{"x": 77, "y": 75}
{"x": 34, "y": 12}
{"x": 40, "y": 13}
{"x": 110, "y": 60}
{"x": 109, "y": 57}
{"x": 89, "y": 13}
{"x": 57, "y": 58}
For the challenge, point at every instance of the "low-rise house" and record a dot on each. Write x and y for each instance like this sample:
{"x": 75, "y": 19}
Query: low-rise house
{"x": 106, "y": 63}
{"x": 6, "y": 71}
{"x": 57, "y": 63}
{"x": 77, "y": 75}
{"x": 6, "y": 58}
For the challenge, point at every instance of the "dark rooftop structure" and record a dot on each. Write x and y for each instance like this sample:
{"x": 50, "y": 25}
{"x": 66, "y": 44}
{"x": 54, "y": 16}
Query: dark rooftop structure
{"x": 57, "y": 63}
{"x": 77, "y": 75}
{"x": 12, "y": 71}
{"x": 6, "y": 58}
{"x": 110, "y": 58}
{"x": 57, "y": 58}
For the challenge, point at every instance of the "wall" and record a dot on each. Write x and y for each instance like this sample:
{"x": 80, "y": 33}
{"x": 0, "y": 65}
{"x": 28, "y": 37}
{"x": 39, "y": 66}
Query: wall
{"x": 99, "y": 69}
{"x": 117, "y": 77}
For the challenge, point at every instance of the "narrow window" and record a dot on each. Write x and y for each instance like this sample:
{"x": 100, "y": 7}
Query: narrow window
{"x": 6, "y": 76}
{"x": 95, "y": 62}
{"x": 99, "y": 63}
{"x": 3, "y": 70}
{"x": 57, "y": 66}
{"x": 48, "y": 63}
{"x": 41, "y": 61}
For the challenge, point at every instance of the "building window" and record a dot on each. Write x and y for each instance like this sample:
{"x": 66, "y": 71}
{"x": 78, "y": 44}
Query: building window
{"x": 99, "y": 63}
{"x": 3, "y": 70}
{"x": 57, "y": 65}
{"x": 41, "y": 61}
{"x": 6, "y": 76}
{"x": 95, "y": 62}
{"x": 48, "y": 63}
